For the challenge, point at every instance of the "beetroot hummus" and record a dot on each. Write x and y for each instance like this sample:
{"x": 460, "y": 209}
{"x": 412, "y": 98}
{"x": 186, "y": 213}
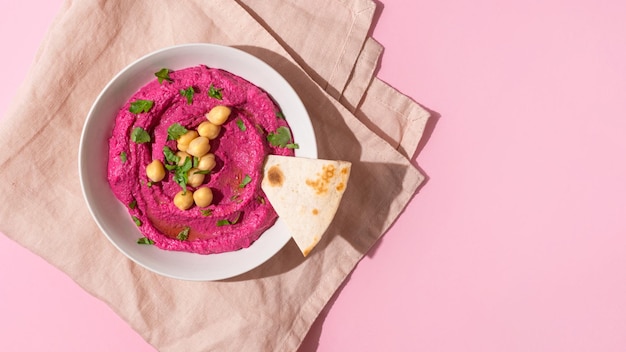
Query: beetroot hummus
{"x": 239, "y": 211}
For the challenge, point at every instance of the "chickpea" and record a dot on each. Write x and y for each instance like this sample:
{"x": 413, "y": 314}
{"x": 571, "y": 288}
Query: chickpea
{"x": 185, "y": 139}
{"x": 199, "y": 147}
{"x": 182, "y": 155}
{"x": 207, "y": 162}
{"x": 209, "y": 130}
{"x": 194, "y": 179}
{"x": 155, "y": 170}
{"x": 203, "y": 196}
{"x": 183, "y": 200}
{"x": 218, "y": 115}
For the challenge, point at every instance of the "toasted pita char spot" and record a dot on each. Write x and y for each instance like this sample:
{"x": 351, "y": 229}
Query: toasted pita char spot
{"x": 320, "y": 184}
{"x": 305, "y": 193}
{"x": 275, "y": 176}
{"x": 317, "y": 186}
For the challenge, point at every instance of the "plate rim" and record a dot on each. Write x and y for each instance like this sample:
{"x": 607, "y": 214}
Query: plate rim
{"x": 207, "y": 49}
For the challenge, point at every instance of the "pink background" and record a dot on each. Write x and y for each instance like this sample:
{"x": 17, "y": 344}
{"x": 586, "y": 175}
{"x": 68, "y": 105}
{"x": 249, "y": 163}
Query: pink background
{"x": 517, "y": 242}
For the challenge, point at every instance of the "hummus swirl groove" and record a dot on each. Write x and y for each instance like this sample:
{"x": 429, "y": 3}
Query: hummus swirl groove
{"x": 239, "y": 212}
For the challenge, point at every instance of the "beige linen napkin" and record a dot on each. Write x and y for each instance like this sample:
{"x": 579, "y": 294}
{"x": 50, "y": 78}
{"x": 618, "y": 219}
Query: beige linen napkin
{"x": 332, "y": 46}
{"x": 271, "y": 307}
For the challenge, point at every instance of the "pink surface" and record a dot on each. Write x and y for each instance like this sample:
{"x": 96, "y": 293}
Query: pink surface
{"x": 517, "y": 242}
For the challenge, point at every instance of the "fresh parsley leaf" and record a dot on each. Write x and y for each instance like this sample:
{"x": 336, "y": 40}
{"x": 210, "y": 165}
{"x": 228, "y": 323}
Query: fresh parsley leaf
{"x": 240, "y": 124}
{"x": 123, "y": 157}
{"x": 145, "y": 240}
{"x": 170, "y": 157}
{"x": 139, "y": 106}
{"x": 180, "y": 173}
{"x": 184, "y": 234}
{"x": 133, "y": 204}
{"x": 280, "y": 115}
{"x": 188, "y": 93}
{"x": 139, "y": 135}
{"x": 280, "y": 138}
{"x": 202, "y": 172}
{"x": 215, "y": 92}
{"x": 149, "y": 184}
{"x": 175, "y": 131}
{"x": 292, "y": 146}
{"x": 187, "y": 164}
{"x": 163, "y": 74}
{"x": 223, "y": 222}
{"x": 206, "y": 212}
{"x": 137, "y": 221}
{"x": 245, "y": 181}
{"x": 195, "y": 161}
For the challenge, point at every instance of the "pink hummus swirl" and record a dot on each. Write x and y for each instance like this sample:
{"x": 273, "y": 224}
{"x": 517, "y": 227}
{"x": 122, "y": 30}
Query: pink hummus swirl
{"x": 240, "y": 151}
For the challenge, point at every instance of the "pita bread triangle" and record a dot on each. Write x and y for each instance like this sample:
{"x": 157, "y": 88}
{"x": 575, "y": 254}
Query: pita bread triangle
{"x": 305, "y": 193}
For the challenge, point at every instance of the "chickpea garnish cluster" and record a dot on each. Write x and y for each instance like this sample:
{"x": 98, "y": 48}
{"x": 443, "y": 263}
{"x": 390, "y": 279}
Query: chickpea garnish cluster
{"x": 194, "y": 144}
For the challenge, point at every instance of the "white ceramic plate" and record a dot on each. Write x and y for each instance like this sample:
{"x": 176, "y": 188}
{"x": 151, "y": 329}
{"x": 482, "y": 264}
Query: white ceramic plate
{"x": 113, "y": 218}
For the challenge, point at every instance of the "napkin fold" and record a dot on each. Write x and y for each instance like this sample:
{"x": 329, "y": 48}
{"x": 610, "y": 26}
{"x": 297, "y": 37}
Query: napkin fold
{"x": 323, "y": 50}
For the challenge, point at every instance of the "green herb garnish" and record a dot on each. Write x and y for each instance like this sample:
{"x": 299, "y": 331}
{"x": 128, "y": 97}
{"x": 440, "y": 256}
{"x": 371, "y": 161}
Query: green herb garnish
{"x": 202, "y": 172}
{"x": 280, "y": 115}
{"x": 175, "y": 131}
{"x": 136, "y": 220}
{"x": 180, "y": 173}
{"x": 215, "y": 92}
{"x": 292, "y": 146}
{"x": 132, "y": 204}
{"x": 163, "y": 74}
{"x": 139, "y": 135}
{"x": 145, "y": 240}
{"x": 188, "y": 93}
{"x": 184, "y": 234}
{"x": 223, "y": 222}
{"x": 123, "y": 157}
{"x": 139, "y": 106}
{"x": 170, "y": 157}
{"x": 240, "y": 124}
{"x": 280, "y": 138}
{"x": 206, "y": 212}
{"x": 245, "y": 181}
